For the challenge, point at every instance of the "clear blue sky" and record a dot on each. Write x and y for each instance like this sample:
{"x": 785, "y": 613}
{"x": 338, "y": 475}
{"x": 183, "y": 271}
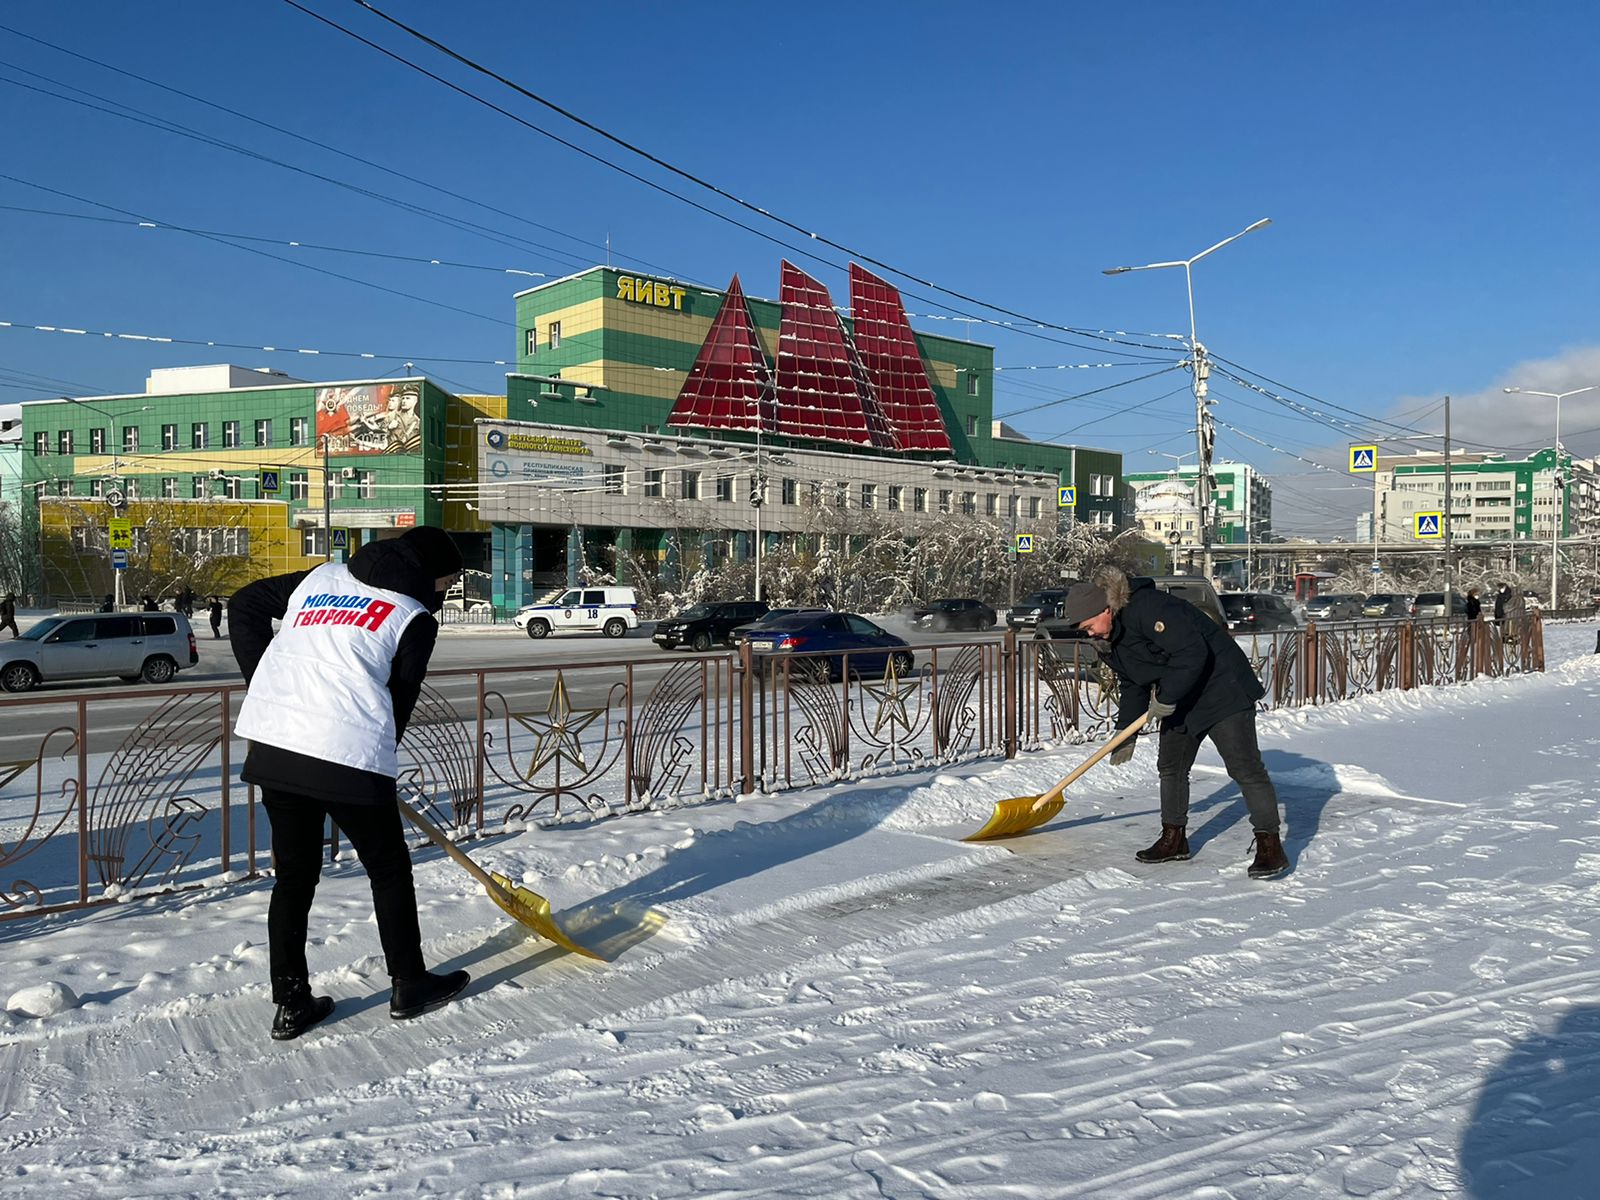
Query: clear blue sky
{"x": 1428, "y": 167}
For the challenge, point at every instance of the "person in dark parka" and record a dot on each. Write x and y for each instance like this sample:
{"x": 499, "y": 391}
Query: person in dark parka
{"x": 1188, "y": 673}
{"x": 8, "y": 614}
{"x": 328, "y": 699}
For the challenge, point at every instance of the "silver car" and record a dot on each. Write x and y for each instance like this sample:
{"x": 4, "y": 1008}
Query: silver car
{"x": 152, "y": 647}
{"x": 1334, "y": 608}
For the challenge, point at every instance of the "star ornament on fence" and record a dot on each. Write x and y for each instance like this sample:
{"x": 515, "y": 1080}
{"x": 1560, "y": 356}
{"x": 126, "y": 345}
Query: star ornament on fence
{"x": 556, "y": 730}
{"x": 891, "y": 693}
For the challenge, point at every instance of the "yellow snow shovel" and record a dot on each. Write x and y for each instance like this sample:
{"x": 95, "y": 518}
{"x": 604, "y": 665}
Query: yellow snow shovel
{"x": 1021, "y": 813}
{"x": 527, "y": 907}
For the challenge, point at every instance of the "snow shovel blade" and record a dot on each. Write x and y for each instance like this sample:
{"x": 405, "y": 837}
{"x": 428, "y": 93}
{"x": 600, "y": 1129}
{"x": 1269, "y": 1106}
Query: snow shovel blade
{"x": 1017, "y": 815}
{"x": 533, "y": 910}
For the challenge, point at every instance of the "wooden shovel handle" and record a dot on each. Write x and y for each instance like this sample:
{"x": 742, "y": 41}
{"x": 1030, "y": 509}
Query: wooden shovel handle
{"x": 1122, "y": 736}
{"x": 437, "y": 837}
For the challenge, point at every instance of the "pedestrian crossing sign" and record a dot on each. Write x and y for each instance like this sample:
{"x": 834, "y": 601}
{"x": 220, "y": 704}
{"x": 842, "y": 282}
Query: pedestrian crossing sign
{"x": 339, "y": 539}
{"x": 1427, "y": 525}
{"x": 270, "y": 480}
{"x": 1024, "y": 543}
{"x": 1363, "y": 458}
{"x": 1067, "y": 497}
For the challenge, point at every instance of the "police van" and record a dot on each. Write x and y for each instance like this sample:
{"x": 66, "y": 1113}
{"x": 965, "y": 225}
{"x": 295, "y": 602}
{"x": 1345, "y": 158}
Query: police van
{"x": 608, "y": 610}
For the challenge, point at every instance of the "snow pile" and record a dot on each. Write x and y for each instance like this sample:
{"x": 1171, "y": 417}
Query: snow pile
{"x": 42, "y": 1000}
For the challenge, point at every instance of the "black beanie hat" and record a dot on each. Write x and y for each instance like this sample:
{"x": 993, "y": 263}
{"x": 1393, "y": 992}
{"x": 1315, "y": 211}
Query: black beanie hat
{"x": 435, "y": 550}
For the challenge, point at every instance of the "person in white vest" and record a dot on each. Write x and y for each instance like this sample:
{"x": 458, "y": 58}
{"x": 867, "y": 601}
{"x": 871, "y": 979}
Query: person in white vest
{"x": 328, "y": 700}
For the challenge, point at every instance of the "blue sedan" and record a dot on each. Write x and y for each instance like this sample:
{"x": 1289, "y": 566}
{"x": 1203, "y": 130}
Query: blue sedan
{"x": 815, "y": 633}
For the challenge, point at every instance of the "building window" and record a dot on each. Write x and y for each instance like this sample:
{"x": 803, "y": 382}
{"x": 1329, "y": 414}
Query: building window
{"x": 64, "y": 487}
{"x": 972, "y": 426}
{"x": 41, "y": 444}
{"x": 725, "y": 488}
{"x": 364, "y": 485}
{"x": 530, "y": 345}
{"x": 64, "y": 442}
{"x": 130, "y": 439}
{"x": 131, "y": 489}
{"x": 230, "y": 435}
{"x": 1033, "y": 507}
{"x": 919, "y": 500}
{"x": 264, "y": 431}
{"x": 814, "y": 492}
{"x": 972, "y": 383}
{"x": 299, "y": 486}
{"x": 232, "y": 487}
{"x": 969, "y": 504}
{"x": 169, "y": 437}
{"x": 896, "y": 497}
{"x": 555, "y": 335}
{"x": 197, "y": 487}
{"x": 991, "y": 504}
{"x": 299, "y": 431}
{"x": 97, "y": 488}
{"x": 653, "y": 485}
{"x": 97, "y": 441}
{"x": 869, "y": 495}
{"x": 944, "y": 500}
{"x": 197, "y": 436}
{"x": 614, "y": 477}
{"x": 689, "y": 485}
{"x": 311, "y": 542}
{"x": 790, "y": 492}
{"x": 649, "y": 429}
{"x": 169, "y": 488}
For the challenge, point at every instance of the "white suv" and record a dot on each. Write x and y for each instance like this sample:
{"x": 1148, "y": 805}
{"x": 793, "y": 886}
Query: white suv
{"x": 609, "y": 610}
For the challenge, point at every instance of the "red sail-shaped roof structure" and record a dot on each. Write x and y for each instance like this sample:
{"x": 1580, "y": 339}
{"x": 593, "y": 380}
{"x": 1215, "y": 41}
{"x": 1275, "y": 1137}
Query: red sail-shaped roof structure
{"x": 824, "y": 393}
{"x": 730, "y": 384}
{"x": 888, "y": 351}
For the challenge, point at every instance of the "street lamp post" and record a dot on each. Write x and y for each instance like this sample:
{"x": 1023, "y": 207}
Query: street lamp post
{"x": 1204, "y": 435}
{"x": 1558, "y": 488}
{"x": 1174, "y": 536}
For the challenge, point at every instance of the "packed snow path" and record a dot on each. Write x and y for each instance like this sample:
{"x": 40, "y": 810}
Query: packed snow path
{"x": 844, "y": 1003}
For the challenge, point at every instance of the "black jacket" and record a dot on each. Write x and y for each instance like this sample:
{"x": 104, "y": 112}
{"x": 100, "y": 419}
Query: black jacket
{"x": 1158, "y": 640}
{"x": 390, "y": 565}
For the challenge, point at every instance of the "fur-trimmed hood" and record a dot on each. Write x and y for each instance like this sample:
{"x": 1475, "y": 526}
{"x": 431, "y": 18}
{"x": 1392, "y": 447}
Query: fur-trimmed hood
{"x": 1115, "y": 585}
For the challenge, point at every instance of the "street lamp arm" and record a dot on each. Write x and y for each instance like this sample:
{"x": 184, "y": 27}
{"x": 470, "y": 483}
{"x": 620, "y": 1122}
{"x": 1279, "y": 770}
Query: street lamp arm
{"x": 1248, "y": 229}
{"x": 1147, "y": 266}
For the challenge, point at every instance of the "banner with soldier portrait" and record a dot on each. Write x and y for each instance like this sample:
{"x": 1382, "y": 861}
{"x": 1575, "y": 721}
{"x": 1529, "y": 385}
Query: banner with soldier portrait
{"x": 370, "y": 418}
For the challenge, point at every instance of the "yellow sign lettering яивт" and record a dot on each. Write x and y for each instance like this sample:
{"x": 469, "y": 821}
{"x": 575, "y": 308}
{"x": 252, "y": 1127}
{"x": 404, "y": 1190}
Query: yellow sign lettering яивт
{"x": 651, "y": 291}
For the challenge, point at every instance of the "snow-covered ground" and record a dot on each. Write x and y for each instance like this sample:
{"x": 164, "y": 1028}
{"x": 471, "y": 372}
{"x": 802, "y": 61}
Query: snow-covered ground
{"x": 826, "y": 994}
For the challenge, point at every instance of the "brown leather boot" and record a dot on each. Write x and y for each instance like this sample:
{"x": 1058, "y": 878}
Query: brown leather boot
{"x": 1171, "y": 846}
{"x": 1270, "y": 858}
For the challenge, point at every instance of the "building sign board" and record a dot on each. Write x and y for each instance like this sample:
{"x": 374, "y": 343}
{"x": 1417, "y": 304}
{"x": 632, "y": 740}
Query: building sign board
{"x": 535, "y": 443}
{"x": 638, "y": 290}
{"x": 370, "y": 418}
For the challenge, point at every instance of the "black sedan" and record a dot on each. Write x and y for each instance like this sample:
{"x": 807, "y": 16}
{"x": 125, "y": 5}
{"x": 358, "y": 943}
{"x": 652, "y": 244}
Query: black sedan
{"x": 955, "y": 614}
{"x": 824, "y": 638}
{"x": 701, "y": 626}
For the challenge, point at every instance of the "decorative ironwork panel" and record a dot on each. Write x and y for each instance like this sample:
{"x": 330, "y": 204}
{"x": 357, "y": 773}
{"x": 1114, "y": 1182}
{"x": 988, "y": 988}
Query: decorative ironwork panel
{"x": 26, "y": 826}
{"x": 438, "y": 765}
{"x": 573, "y": 747}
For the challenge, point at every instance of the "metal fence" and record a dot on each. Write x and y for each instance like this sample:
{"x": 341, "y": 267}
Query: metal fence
{"x": 105, "y": 797}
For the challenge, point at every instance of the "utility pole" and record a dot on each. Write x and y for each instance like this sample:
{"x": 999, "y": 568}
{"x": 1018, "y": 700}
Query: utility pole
{"x": 327, "y": 505}
{"x": 1449, "y": 504}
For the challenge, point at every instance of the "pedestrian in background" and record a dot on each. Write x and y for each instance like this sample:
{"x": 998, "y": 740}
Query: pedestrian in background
{"x": 1516, "y": 613}
{"x": 1188, "y": 673}
{"x": 327, "y": 703}
{"x": 8, "y": 614}
{"x": 109, "y": 604}
{"x": 149, "y": 603}
{"x": 1474, "y": 605}
{"x": 215, "y": 612}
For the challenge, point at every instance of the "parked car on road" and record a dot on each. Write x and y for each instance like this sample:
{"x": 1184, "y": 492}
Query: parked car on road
{"x": 1387, "y": 604}
{"x": 955, "y": 614}
{"x": 152, "y": 647}
{"x": 870, "y": 647}
{"x": 1334, "y": 607}
{"x": 1037, "y": 606}
{"x": 700, "y": 626}
{"x": 1431, "y": 604}
{"x": 608, "y": 610}
{"x": 1256, "y": 612}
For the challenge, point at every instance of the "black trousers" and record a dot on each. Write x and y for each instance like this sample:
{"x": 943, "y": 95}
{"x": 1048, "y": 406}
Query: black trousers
{"x": 1235, "y": 739}
{"x": 297, "y": 845}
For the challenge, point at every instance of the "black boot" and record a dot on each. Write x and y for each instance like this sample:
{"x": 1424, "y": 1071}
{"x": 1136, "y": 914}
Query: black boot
{"x": 1270, "y": 858}
{"x": 413, "y": 997}
{"x": 298, "y": 1009}
{"x": 1171, "y": 846}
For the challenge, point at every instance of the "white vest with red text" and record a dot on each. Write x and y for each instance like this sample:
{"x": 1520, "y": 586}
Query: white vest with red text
{"x": 321, "y": 689}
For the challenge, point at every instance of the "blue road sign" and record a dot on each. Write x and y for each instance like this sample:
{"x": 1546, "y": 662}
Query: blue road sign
{"x": 1024, "y": 543}
{"x": 1363, "y": 458}
{"x": 1067, "y": 497}
{"x": 339, "y": 539}
{"x": 1428, "y": 525}
{"x": 119, "y": 560}
{"x": 270, "y": 481}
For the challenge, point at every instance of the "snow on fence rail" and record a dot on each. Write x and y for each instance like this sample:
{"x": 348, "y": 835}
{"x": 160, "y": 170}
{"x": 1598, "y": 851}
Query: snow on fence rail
{"x": 103, "y": 798}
